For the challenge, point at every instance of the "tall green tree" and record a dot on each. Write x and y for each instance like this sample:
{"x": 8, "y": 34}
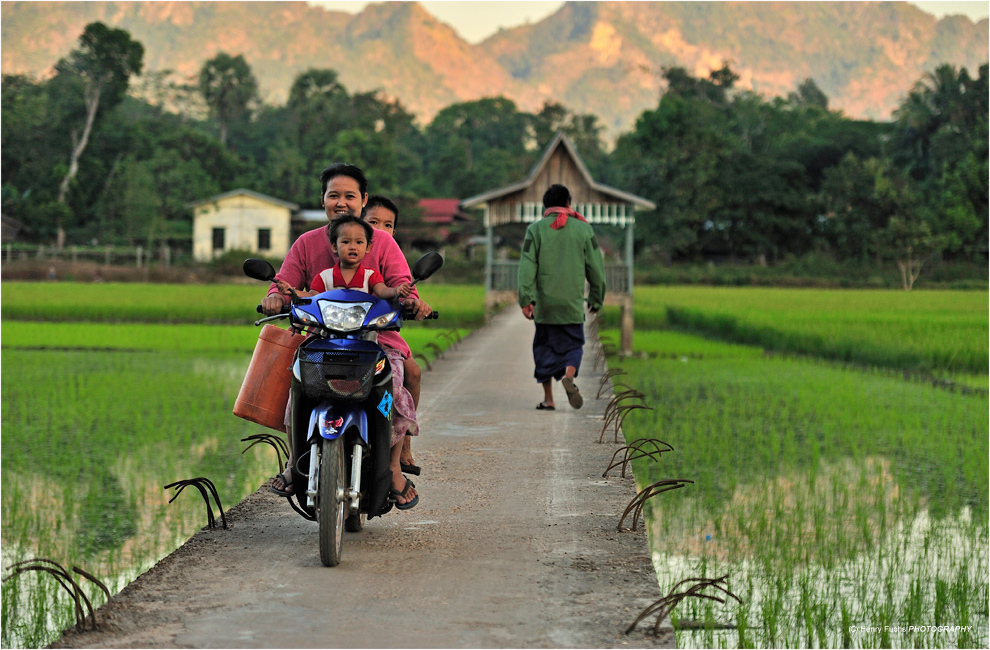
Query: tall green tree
{"x": 853, "y": 215}
{"x": 584, "y": 132}
{"x": 673, "y": 156}
{"x": 942, "y": 141}
{"x": 476, "y": 146}
{"x": 229, "y": 87}
{"x": 103, "y": 63}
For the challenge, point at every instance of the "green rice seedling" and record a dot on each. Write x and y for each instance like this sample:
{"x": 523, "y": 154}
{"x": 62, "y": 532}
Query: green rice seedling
{"x": 459, "y": 305}
{"x": 91, "y": 438}
{"x": 941, "y": 332}
{"x": 97, "y": 418}
{"x": 130, "y": 336}
{"x": 162, "y": 338}
{"x": 849, "y": 495}
{"x": 127, "y": 302}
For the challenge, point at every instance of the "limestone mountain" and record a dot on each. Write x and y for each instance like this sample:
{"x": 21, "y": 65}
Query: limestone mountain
{"x": 595, "y": 57}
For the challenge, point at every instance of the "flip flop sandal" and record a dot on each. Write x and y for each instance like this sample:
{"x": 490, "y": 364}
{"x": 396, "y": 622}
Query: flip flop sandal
{"x": 287, "y": 492}
{"x": 395, "y": 493}
{"x": 543, "y": 407}
{"x": 410, "y": 469}
{"x": 573, "y": 394}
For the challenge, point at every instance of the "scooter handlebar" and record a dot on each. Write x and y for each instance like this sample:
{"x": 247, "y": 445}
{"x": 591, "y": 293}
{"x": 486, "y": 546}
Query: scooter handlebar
{"x": 433, "y": 315}
{"x": 410, "y": 315}
{"x": 285, "y": 310}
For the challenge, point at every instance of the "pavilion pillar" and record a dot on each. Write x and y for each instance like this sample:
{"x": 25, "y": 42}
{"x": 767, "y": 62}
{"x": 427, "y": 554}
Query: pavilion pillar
{"x": 626, "y": 318}
{"x": 489, "y": 264}
{"x": 626, "y": 325}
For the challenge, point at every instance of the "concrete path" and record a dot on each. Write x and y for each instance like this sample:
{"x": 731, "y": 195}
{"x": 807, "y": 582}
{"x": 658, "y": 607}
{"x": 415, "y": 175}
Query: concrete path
{"x": 513, "y": 543}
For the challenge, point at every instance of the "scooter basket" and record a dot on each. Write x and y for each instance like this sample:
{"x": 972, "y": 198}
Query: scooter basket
{"x": 337, "y": 374}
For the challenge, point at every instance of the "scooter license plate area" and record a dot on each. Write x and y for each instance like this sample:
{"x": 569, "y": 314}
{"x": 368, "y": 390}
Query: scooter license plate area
{"x": 341, "y": 373}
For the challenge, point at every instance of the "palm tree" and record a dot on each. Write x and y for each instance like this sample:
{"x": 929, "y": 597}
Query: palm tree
{"x": 228, "y": 86}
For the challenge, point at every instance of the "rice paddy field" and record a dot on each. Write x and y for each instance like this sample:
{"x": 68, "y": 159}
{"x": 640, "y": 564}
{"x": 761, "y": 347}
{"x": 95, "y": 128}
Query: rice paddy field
{"x": 190, "y": 303}
{"x": 935, "y": 332}
{"x": 109, "y": 393}
{"x": 844, "y": 495}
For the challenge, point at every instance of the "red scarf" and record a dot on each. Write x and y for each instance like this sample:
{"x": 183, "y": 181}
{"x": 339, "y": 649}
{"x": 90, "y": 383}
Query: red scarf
{"x": 562, "y": 214}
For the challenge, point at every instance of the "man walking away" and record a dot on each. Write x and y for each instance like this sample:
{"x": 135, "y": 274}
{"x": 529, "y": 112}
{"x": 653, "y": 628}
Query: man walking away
{"x": 559, "y": 253}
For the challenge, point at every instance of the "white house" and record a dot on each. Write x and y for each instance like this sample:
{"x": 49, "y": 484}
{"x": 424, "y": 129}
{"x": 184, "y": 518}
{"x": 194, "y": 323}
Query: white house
{"x": 241, "y": 220}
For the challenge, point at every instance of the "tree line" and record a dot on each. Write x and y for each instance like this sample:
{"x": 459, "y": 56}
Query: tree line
{"x": 734, "y": 175}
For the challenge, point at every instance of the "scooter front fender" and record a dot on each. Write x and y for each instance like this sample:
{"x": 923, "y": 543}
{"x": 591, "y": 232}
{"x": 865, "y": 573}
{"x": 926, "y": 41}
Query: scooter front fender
{"x": 330, "y": 420}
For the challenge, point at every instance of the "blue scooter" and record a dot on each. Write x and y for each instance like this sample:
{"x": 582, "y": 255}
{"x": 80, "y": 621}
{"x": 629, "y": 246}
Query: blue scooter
{"x": 341, "y": 404}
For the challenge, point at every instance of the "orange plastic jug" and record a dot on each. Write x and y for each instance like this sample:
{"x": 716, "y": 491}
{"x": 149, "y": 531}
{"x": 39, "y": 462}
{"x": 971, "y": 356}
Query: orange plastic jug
{"x": 265, "y": 390}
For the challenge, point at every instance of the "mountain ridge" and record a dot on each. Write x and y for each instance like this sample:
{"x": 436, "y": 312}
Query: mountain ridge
{"x": 595, "y": 57}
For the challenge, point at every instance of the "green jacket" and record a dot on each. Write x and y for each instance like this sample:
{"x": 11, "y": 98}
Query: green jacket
{"x": 553, "y": 268}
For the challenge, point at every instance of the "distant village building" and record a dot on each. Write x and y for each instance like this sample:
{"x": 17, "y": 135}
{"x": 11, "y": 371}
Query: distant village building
{"x": 250, "y": 221}
{"x": 10, "y": 229}
{"x": 241, "y": 220}
{"x": 439, "y": 223}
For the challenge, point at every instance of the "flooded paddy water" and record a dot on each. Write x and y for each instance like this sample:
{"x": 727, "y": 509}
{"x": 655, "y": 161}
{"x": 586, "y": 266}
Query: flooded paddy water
{"x": 98, "y": 416}
{"x": 90, "y": 439}
{"x": 847, "y": 507}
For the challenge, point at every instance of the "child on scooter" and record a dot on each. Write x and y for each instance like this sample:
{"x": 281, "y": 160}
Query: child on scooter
{"x": 383, "y": 215}
{"x": 350, "y": 238}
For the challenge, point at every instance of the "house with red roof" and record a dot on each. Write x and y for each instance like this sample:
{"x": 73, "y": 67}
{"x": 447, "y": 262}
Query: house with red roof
{"x": 440, "y": 222}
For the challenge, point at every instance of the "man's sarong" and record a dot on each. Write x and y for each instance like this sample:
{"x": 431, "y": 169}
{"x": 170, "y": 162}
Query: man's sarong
{"x": 554, "y": 348}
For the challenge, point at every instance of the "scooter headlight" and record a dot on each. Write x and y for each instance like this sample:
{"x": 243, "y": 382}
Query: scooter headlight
{"x": 343, "y": 316}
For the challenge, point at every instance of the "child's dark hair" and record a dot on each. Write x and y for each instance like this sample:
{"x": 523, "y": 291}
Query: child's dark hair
{"x": 334, "y": 229}
{"x": 343, "y": 169}
{"x": 379, "y": 201}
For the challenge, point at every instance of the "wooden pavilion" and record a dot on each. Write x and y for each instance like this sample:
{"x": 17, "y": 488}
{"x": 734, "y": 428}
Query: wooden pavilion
{"x": 523, "y": 203}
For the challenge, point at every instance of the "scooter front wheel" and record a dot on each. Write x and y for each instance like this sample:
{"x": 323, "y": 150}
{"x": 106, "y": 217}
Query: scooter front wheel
{"x": 331, "y": 505}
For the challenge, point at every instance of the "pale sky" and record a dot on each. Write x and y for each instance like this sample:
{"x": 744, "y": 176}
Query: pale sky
{"x": 476, "y": 20}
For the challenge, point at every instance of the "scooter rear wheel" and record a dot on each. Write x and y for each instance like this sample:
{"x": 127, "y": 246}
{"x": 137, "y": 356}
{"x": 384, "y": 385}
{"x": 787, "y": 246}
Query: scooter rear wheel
{"x": 331, "y": 505}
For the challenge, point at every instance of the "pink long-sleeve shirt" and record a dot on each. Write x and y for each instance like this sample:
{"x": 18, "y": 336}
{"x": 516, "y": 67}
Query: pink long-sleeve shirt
{"x": 311, "y": 254}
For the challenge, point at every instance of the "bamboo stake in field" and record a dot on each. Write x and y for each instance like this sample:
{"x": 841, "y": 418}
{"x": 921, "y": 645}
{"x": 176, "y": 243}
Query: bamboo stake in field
{"x": 62, "y": 577}
{"x": 636, "y": 505}
{"x": 202, "y": 484}
{"x": 636, "y": 451}
{"x": 665, "y": 605}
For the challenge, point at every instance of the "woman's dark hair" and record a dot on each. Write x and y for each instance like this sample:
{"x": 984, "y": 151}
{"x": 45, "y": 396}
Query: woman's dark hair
{"x": 556, "y": 196}
{"x": 333, "y": 230}
{"x": 343, "y": 169}
{"x": 379, "y": 201}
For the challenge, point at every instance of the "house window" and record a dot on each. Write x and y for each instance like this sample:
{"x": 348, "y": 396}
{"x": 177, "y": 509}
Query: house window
{"x": 218, "y": 239}
{"x": 264, "y": 239}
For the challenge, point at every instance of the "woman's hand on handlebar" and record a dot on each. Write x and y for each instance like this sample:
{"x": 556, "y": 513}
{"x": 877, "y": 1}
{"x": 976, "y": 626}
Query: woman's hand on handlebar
{"x": 418, "y": 308}
{"x": 272, "y": 304}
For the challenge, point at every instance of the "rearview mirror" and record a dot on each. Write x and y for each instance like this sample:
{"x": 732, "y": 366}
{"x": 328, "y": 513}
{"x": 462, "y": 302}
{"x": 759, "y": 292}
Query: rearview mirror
{"x": 426, "y": 266}
{"x": 259, "y": 270}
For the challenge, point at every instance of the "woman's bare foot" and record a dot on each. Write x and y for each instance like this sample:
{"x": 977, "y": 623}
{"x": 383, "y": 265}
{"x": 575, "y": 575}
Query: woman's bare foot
{"x": 282, "y": 485}
{"x": 406, "y": 457}
{"x": 400, "y": 483}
